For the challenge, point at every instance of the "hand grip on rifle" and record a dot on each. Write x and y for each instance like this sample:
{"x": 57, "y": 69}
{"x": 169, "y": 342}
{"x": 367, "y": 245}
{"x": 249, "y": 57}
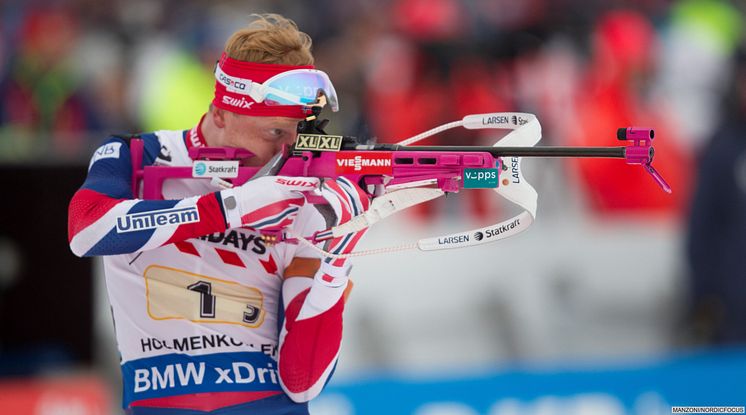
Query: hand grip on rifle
{"x": 267, "y": 203}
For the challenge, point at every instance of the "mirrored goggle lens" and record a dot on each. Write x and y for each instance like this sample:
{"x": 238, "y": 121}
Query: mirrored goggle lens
{"x": 303, "y": 86}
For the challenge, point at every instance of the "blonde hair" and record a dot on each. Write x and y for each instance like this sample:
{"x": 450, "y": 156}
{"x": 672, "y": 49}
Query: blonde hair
{"x": 270, "y": 38}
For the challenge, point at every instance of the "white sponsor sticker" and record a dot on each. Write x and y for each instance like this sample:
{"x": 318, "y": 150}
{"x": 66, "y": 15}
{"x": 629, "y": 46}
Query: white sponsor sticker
{"x": 156, "y": 219}
{"x": 226, "y": 169}
{"x": 106, "y": 151}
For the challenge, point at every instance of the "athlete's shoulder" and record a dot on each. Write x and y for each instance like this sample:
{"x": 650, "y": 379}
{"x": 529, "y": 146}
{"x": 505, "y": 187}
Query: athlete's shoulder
{"x": 157, "y": 145}
{"x": 173, "y": 149}
{"x": 114, "y": 144}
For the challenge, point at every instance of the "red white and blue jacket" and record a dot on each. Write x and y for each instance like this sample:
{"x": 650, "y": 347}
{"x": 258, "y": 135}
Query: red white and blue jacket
{"x": 198, "y": 308}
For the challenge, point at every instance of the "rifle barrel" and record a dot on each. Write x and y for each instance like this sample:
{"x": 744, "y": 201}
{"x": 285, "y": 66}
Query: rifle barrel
{"x": 609, "y": 152}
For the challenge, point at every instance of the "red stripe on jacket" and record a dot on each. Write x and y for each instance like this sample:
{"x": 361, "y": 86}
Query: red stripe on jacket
{"x": 86, "y": 207}
{"x": 211, "y": 220}
{"x": 310, "y": 346}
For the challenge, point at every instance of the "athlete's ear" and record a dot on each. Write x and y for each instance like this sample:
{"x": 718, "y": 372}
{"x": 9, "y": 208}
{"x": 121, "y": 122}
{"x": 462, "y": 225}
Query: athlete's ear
{"x": 218, "y": 116}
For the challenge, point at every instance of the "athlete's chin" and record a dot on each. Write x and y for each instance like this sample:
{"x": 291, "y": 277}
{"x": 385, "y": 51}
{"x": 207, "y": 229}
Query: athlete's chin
{"x": 255, "y": 161}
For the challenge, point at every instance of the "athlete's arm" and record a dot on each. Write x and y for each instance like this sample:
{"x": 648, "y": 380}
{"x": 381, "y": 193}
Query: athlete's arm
{"x": 311, "y": 332}
{"x": 105, "y": 218}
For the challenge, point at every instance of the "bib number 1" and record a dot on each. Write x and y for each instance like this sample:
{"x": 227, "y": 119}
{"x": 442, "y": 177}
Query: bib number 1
{"x": 206, "y": 299}
{"x": 177, "y": 294}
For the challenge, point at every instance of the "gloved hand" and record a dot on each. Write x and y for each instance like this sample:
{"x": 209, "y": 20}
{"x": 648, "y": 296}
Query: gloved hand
{"x": 347, "y": 200}
{"x": 267, "y": 203}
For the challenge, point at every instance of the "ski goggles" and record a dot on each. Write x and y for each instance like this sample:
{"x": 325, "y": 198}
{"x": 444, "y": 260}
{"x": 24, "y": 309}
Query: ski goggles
{"x": 287, "y": 86}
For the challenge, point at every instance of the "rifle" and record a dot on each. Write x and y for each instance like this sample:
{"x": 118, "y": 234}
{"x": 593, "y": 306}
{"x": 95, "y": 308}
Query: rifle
{"x": 401, "y": 175}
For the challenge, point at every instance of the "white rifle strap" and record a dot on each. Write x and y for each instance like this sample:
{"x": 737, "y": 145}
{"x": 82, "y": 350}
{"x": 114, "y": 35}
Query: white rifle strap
{"x": 526, "y": 133}
{"x": 381, "y": 207}
{"x": 386, "y": 205}
{"x": 513, "y": 186}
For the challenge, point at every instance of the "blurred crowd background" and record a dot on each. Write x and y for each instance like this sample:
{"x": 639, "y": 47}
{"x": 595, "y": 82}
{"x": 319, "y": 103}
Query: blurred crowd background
{"x": 616, "y": 279}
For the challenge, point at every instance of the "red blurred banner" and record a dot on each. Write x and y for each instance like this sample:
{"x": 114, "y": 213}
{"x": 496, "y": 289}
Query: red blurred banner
{"x": 85, "y": 395}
